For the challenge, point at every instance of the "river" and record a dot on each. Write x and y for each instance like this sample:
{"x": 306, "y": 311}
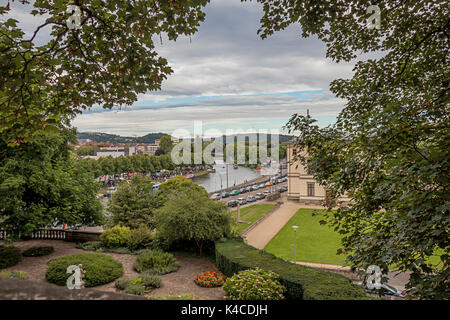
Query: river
{"x": 218, "y": 180}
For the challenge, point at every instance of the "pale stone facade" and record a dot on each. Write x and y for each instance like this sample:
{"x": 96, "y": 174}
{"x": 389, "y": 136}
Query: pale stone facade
{"x": 301, "y": 185}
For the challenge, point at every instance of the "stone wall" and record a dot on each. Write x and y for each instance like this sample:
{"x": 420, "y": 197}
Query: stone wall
{"x": 82, "y": 236}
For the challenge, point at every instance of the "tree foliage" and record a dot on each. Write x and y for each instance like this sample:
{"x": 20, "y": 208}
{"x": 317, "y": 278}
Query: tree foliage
{"x": 178, "y": 185}
{"x": 39, "y": 185}
{"x": 107, "y": 61}
{"x": 126, "y": 164}
{"x": 191, "y": 215}
{"x": 165, "y": 144}
{"x": 389, "y": 149}
{"x": 133, "y": 204}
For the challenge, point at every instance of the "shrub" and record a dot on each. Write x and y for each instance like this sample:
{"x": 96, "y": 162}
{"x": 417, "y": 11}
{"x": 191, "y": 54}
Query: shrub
{"x": 115, "y": 237}
{"x": 210, "y": 279}
{"x": 150, "y": 280}
{"x": 99, "y": 268}
{"x": 143, "y": 284}
{"x": 9, "y": 256}
{"x": 156, "y": 262}
{"x": 254, "y": 284}
{"x": 140, "y": 238}
{"x": 135, "y": 289}
{"x": 122, "y": 283}
{"x": 38, "y": 251}
{"x": 14, "y": 274}
{"x": 90, "y": 245}
{"x": 300, "y": 282}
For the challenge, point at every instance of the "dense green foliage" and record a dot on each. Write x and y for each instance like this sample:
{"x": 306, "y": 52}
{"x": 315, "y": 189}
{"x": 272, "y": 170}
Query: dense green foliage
{"x": 9, "y": 256}
{"x": 178, "y": 185}
{"x": 165, "y": 144}
{"x": 115, "y": 237}
{"x": 39, "y": 185}
{"x": 140, "y": 238}
{"x": 300, "y": 282}
{"x": 156, "y": 262}
{"x": 254, "y": 284}
{"x": 38, "y": 251}
{"x": 85, "y": 151}
{"x": 100, "y": 269}
{"x": 136, "y": 163}
{"x": 192, "y": 215}
{"x": 133, "y": 203}
{"x": 107, "y": 60}
{"x": 150, "y": 280}
{"x": 390, "y": 146}
{"x": 138, "y": 286}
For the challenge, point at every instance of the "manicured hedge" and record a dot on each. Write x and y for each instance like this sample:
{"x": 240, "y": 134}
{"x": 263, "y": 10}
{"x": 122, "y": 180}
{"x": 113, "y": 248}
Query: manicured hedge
{"x": 300, "y": 282}
{"x": 9, "y": 256}
{"x": 100, "y": 269}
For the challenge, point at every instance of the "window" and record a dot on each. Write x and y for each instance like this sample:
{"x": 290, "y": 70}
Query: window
{"x": 311, "y": 189}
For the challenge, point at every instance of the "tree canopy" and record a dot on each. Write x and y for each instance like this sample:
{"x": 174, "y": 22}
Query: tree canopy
{"x": 40, "y": 184}
{"x": 107, "y": 60}
{"x": 165, "y": 144}
{"x": 191, "y": 215}
{"x": 389, "y": 148}
{"x": 133, "y": 203}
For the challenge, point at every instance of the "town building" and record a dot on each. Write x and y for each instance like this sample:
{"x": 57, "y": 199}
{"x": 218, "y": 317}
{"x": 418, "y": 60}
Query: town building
{"x": 148, "y": 148}
{"x": 301, "y": 184}
{"x": 114, "y": 151}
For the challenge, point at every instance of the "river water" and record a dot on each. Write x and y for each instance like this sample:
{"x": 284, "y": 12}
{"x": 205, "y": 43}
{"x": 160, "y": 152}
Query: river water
{"x": 218, "y": 180}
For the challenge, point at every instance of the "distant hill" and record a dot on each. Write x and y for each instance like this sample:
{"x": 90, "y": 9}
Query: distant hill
{"x": 106, "y": 137}
{"x": 282, "y": 137}
{"x": 148, "y": 138}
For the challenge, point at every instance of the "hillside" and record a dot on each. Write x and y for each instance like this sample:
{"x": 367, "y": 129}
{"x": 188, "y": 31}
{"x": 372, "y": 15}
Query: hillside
{"x": 148, "y": 138}
{"x": 106, "y": 137}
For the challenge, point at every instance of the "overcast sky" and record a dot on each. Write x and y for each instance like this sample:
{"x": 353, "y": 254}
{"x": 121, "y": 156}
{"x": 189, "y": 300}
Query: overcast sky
{"x": 229, "y": 78}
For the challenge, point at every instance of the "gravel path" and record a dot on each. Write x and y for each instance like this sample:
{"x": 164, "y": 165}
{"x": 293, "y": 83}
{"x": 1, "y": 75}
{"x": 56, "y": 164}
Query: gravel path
{"x": 175, "y": 283}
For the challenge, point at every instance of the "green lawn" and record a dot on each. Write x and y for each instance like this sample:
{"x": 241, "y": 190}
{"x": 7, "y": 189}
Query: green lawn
{"x": 252, "y": 213}
{"x": 315, "y": 242}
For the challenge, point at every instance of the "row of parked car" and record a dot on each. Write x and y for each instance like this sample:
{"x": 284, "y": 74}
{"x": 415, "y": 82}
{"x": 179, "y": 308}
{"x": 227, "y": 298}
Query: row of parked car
{"x": 249, "y": 188}
{"x": 258, "y": 196}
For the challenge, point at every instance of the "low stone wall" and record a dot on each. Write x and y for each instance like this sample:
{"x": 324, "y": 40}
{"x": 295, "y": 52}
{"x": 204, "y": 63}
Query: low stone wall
{"x": 17, "y": 289}
{"x": 82, "y": 236}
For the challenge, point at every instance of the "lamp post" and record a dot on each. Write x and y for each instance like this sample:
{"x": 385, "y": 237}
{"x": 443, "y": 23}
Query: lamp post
{"x": 295, "y": 243}
{"x": 220, "y": 176}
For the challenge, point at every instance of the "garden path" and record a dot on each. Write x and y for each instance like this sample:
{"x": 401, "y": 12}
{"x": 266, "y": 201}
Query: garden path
{"x": 261, "y": 234}
{"x": 176, "y": 283}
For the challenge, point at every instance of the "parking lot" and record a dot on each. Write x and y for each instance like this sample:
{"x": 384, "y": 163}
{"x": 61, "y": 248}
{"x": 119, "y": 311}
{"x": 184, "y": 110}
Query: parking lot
{"x": 259, "y": 190}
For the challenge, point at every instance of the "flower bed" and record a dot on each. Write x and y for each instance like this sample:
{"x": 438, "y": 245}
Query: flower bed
{"x": 210, "y": 279}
